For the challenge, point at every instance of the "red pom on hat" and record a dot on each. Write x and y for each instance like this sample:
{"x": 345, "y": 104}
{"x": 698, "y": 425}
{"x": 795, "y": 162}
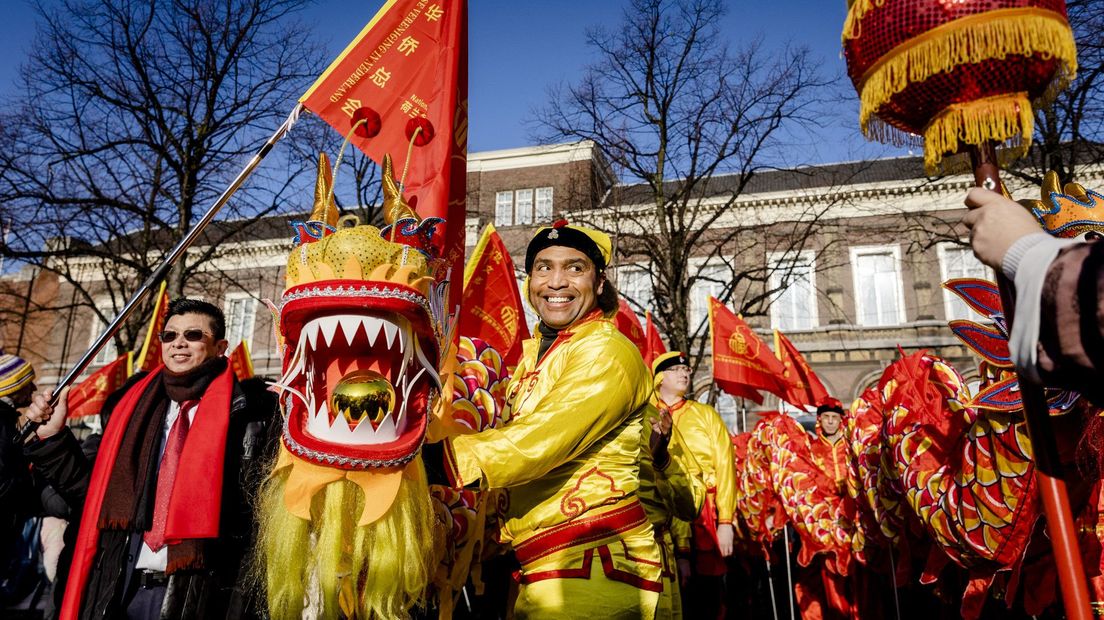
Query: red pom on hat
{"x": 560, "y": 223}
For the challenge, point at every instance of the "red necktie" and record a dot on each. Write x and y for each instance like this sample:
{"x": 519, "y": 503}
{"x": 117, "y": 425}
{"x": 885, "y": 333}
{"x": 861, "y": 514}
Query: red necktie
{"x": 170, "y": 461}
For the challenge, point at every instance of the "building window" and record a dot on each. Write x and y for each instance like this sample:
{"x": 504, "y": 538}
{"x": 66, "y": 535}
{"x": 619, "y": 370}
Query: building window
{"x": 109, "y": 351}
{"x": 792, "y": 275}
{"x": 957, "y": 261}
{"x": 711, "y": 282}
{"x": 544, "y": 205}
{"x": 531, "y": 318}
{"x": 241, "y": 311}
{"x": 879, "y": 298}
{"x": 634, "y": 282}
{"x": 523, "y": 207}
{"x": 504, "y": 208}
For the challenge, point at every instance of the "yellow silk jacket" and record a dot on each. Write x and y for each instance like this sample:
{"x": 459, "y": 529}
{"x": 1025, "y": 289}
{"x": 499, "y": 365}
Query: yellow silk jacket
{"x": 571, "y": 452}
{"x": 708, "y": 450}
{"x": 672, "y": 492}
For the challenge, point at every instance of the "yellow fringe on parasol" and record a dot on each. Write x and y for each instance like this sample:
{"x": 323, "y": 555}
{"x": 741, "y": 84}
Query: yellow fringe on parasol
{"x": 996, "y": 119}
{"x": 969, "y": 40}
{"x": 856, "y": 10}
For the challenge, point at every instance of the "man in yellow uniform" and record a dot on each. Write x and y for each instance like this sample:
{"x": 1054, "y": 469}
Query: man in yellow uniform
{"x": 702, "y": 433}
{"x": 671, "y": 495}
{"x": 571, "y": 452}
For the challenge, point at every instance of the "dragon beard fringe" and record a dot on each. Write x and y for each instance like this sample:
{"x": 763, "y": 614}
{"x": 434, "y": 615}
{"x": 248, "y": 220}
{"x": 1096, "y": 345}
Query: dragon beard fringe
{"x": 335, "y": 567}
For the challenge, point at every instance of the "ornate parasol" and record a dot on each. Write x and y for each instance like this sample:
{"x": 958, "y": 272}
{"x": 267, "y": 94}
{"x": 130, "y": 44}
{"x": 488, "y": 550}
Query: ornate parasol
{"x": 964, "y": 76}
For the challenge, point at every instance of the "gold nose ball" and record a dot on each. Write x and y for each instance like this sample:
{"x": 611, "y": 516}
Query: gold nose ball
{"x": 363, "y": 394}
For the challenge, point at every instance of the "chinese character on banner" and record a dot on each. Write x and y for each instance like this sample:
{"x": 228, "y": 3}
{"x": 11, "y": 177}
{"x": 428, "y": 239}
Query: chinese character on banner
{"x": 376, "y": 74}
{"x": 742, "y": 363}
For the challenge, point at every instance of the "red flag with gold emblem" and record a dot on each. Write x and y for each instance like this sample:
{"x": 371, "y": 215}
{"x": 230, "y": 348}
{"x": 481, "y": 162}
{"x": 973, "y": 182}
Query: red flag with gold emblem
{"x": 805, "y": 388}
{"x": 149, "y": 358}
{"x": 88, "y": 396}
{"x": 491, "y": 307}
{"x": 653, "y": 346}
{"x": 242, "y": 362}
{"x": 629, "y": 324}
{"x": 742, "y": 363}
{"x": 406, "y": 76}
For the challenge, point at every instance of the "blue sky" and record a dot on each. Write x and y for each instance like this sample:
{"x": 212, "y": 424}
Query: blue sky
{"x": 520, "y": 47}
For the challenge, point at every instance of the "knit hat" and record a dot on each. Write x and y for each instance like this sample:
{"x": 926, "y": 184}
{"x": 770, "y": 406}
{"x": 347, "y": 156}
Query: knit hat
{"x": 595, "y": 244}
{"x": 15, "y": 373}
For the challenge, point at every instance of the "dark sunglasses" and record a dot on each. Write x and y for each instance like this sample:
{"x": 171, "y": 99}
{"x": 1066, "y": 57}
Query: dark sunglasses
{"x": 191, "y": 335}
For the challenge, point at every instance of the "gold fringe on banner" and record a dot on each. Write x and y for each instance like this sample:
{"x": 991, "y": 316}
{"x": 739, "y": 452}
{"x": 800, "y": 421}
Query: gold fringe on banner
{"x": 992, "y": 119}
{"x": 969, "y": 40}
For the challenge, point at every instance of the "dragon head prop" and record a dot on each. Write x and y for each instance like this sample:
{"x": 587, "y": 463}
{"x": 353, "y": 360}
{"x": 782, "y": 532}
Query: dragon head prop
{"x": 347, "y": 520}
{"x": 1069, "y": 212}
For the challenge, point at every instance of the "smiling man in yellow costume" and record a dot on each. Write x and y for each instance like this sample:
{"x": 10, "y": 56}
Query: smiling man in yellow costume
{"x": 705, "y": 439}
{"x": 571, "y": 453}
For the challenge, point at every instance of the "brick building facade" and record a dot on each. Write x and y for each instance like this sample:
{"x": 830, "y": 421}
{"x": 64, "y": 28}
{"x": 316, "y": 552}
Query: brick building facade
{"x": 865, "y": 281}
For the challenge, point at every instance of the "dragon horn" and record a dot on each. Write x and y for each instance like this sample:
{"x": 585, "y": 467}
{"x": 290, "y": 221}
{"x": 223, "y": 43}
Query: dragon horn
{"x": 1077, "y": 191}
{"x": 324, "y": 208}
{"x": 394, "y": 207}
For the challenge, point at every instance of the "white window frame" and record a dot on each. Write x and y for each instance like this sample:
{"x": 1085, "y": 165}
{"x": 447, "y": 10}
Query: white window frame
{"x": 249, "y": 324}
{"x": 523, "y": 207}
{"x": 109, "y": 352}
{"x": 504, "y": 215}
{"x": 543, "y": 196}
{"x": 632, "y": 271}
{"x": 775, "y": 282}
{"x": 950, "y": 300}
{"x": 696, "y": 266}
{"x": 895, "y": 252}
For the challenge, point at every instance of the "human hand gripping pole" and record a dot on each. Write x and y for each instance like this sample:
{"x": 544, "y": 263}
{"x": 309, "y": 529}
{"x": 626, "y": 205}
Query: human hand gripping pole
{"x": 1048, "y": 468}
{"x": 162, "y": 270}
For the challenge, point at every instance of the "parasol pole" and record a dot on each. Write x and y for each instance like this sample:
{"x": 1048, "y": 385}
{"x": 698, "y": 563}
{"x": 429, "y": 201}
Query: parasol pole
{"x": 1048, "y": 464}
{"x": 162, "y": 270}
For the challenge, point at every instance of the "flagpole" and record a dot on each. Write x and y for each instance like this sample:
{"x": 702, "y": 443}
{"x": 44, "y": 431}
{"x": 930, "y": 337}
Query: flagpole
{"x": 789, "y": 574}
{"x": 770, "y": 583}
{"x": 163, "y": 269}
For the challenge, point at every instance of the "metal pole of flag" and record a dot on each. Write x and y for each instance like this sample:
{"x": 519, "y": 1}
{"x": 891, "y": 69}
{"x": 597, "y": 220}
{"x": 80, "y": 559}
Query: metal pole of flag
{"x": 162, "y": 270}
{"x": 789, "y": 572}
{"x": 770, "y": 586}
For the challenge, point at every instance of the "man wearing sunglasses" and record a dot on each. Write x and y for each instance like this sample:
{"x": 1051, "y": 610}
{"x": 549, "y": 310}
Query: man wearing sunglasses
{"x": 165, "y": 518}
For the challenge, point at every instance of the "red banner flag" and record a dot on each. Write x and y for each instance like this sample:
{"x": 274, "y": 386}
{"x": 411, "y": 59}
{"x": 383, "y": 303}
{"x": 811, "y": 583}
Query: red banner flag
{"x": 654, "y": 346}
{"x": 149, "y": 358}
{"x": 242, "y": 362}
{"x": 88, "y": 396}
{"x": 629, "y": 324}
{"x": 805, "y": 388}
{"x": 742, "y": 363}
{"x": 491, "y": 305}
{"x": 406, "y": 76}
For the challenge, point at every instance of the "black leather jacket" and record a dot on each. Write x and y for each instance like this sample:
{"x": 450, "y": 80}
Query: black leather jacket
{"x": 218, "y": 592}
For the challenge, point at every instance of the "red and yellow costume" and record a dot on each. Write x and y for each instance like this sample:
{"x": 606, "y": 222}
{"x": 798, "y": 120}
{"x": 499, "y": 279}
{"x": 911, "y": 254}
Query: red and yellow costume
{"x": 670, "y": 496}
{"x": 570, "y": 455}
{"x": 702, "y": 433}
{"x": 832, "y": 458}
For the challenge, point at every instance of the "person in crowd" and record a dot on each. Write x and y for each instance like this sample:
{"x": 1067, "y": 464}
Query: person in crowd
{"x": 571, "y": 453}
{"x": 162, "y": 519}
{"x": 702, "y": 546}
{"x": 18, "y": 492}
{"x": 829, "y": 448}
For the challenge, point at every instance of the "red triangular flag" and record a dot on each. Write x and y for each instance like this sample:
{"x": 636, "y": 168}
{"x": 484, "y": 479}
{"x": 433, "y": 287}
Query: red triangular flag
{"x": 805, "y": 388}
{"x": 491, "y": 308}
{"x": 242, "y": 362}
{"x": 742, "y": 363}
{"x": 406, "y": 75}
{"x": 88, "y": 396}
{"x": 628, "y": 323}
{"x": 653, "y": 346}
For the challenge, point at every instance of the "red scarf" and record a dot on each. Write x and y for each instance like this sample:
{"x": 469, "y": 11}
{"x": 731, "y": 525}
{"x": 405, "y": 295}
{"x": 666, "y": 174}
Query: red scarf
{"x": 197, "y": 494}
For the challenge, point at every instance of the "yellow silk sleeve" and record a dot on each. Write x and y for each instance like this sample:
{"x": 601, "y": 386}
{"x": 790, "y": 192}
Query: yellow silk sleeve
{"x": 724, "y": 462}
{"x": 680, "y": 531}
{"x": 680, "y": 493}
{"x": 590, "y": 390}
